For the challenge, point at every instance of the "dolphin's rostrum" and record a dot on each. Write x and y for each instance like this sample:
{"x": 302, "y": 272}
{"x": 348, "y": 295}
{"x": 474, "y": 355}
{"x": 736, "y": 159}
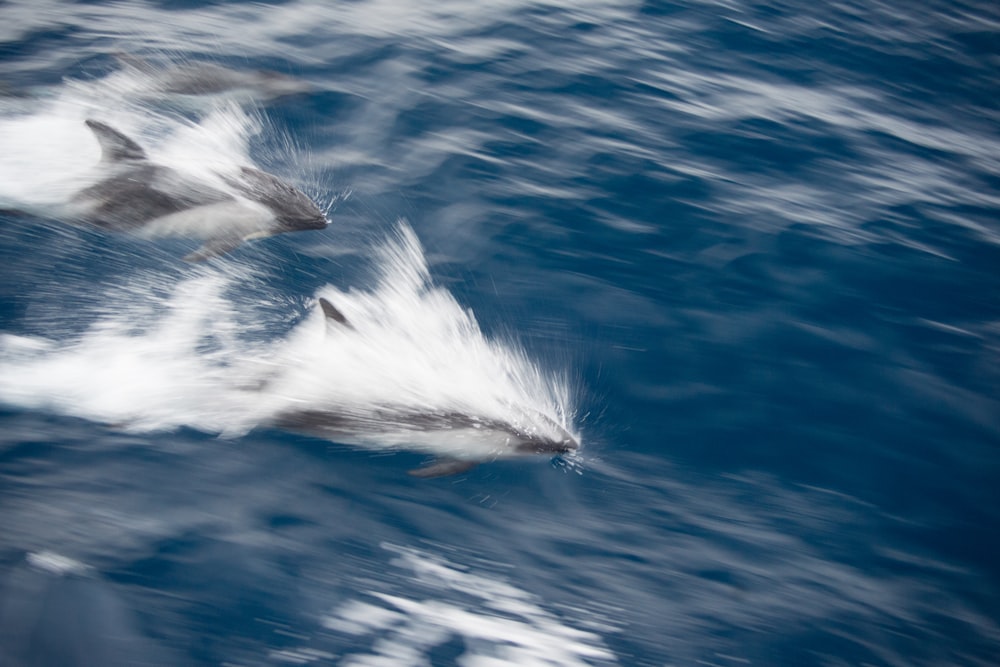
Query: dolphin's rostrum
{"x": 140, "y": 196}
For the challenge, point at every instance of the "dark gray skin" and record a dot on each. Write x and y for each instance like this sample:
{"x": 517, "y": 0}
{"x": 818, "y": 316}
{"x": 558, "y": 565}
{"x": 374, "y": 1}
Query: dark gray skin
{"x": 137, "y": 193}
{"x": 333, "y": 426}
{"x": 294, "y": 211}
{"x": 145, "y": 192}
{"x": 328, "y": 424}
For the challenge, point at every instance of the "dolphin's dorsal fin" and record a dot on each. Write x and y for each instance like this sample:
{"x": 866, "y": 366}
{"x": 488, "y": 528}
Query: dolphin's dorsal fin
{"x": 332, "y": 314}
{"x": 115, "y": 146}
{"x": 442, "y": 468}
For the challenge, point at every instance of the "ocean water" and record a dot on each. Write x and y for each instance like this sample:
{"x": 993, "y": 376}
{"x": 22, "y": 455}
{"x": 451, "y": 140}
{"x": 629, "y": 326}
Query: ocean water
{"x": 748, "y": 254}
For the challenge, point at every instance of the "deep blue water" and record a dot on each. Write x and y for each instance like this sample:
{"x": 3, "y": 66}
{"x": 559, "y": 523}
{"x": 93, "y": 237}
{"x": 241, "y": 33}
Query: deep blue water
{"x": 760, "y": 239}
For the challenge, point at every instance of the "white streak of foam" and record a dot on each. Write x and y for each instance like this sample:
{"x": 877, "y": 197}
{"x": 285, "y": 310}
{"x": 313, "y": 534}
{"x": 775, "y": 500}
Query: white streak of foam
{"x": 131, "y": 368}
{"x": 498, "y": 623}
{"x": 53, "y": 563}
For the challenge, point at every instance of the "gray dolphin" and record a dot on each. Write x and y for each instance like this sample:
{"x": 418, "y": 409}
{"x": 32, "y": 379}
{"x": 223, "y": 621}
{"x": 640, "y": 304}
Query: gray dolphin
{"x": 55, "y": 611}
{"x": 204, "y": 78}
{"x": 137, "y": 195}
{"x": 459, "y": 441}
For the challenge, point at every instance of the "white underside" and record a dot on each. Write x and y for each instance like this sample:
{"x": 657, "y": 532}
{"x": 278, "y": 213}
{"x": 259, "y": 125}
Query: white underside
{"x": 238, "y": 218}
{"x": 466, "y": 444}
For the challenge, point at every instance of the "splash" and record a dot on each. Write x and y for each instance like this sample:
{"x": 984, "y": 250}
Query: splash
{"x": 408, "y": 355}
{"x": 411, "y": 359}
{"x": 410, "y": 369}
{"x": 50, "y": 154}
{"x": 498, "y": 623}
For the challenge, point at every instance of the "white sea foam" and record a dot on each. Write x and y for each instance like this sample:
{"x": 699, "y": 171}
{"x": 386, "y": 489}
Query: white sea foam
{"x": 50, "y": 154}
{"x": 53, "y": 563}
{"x": 498, "y": 623}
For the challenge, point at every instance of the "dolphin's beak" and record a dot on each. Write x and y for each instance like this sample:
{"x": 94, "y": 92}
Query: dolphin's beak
{"x": 564, "y": 444}
{"x": 568, "y": 443}
{"x": 319, "y": 222}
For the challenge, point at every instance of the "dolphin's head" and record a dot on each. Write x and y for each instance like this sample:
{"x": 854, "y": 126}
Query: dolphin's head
{"x": 293, "y": 210}
{"x": 545, "y": 436}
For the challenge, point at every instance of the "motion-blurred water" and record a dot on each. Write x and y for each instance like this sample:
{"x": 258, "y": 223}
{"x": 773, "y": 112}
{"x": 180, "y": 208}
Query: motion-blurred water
{"x": 747, "y": 251}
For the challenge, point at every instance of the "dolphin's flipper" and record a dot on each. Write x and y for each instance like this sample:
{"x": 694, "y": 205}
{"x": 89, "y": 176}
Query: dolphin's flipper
{"x": 115, "y": 146}
{"x": 443, "y": 468}
{"x": 332, "y": 314}
{"x": 213, "y": 248}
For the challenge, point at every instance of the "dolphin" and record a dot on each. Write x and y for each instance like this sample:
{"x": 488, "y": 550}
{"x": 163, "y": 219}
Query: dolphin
{"x": 57, "y": 611}
{"x": 154, "y": 200}
{"x": 459, "y": 441}
{"x": 206, "y": 79}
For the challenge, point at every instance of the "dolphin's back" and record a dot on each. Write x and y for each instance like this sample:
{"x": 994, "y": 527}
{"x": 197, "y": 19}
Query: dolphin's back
{"x": 132, "y": 198}
{"x": 137, "y": 191}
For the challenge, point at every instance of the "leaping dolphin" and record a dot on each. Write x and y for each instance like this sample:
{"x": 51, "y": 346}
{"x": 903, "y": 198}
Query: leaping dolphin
{"x": 458, "y": 440}
{"x": 197, "y": 78}
{"x": 154, "y": 200}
